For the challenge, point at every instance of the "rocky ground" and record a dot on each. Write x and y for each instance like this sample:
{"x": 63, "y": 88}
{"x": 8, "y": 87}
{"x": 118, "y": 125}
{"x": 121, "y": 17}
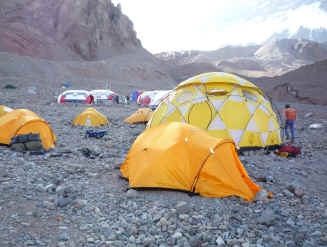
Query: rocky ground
{"x": 68, "y": 198}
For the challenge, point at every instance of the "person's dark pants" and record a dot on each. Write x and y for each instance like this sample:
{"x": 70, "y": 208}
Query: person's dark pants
{"x": 289, "y": 124}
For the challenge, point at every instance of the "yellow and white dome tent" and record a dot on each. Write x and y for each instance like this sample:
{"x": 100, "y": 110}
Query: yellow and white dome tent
{"x": 225, "y": 105}
{"x": 90, "y": 118}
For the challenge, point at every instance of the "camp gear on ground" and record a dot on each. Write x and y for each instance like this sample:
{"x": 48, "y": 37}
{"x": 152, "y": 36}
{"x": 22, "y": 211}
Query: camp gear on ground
{"x": 28, "y": 142}
{"x": 184, "y": 157}
{"x": 90, "y": 117}
{"x": 88, "y": 153}
{"x": 289, "y": 151}
{"x": 226, "y": 106}
{"x": 142, "y": 115}
{"x": 21, "y": 122}
{"x": 4, "y": 110}
{"x": 96, "y": 134}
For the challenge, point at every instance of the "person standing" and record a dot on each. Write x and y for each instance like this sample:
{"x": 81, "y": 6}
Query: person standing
{"x": 290, "y": 117}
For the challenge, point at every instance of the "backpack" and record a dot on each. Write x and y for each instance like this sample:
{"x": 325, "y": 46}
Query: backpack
{"x": 290, "y": 150}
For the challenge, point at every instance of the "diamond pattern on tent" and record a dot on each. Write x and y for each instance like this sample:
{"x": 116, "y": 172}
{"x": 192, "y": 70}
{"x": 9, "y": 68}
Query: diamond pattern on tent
{"x": 183, "y": 109}
{"x": 174, "y": 116}
{"x": 251, "y": 108}
{"x": 229, "y": 111}
{"x": 236, "y": 135}
{"x": 217, "y": 104}
{"x": 264, "y": 137}
{"x": 235, "y": 115}
{"x": 159, "y": 114}
{"x": 184, "y": 97}
{"x": 170, "y": 109}
{"x": 235, "y": 96}
{"x": 261, "y": 120}
{"x": 271, "y": 125}
{"x": 199, "y": 99}
{"x": 262, "y": 107}
{"x": 217, "y": 124}
{"x": 252, "y": 126}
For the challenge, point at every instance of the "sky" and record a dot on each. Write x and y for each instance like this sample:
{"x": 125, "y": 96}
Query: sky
{"x": 176, "y": 25}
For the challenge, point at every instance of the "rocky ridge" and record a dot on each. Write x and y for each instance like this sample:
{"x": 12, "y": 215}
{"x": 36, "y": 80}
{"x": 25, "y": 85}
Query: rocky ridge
{"x": 65, "y": 30}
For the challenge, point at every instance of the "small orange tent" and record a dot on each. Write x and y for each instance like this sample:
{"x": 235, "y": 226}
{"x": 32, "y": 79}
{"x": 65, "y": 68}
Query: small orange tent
{"x": 142, "y": 115}
{"x": 90, "y": 117}
{"x": 183, "y": 157}
{"x": 21, "y": 122}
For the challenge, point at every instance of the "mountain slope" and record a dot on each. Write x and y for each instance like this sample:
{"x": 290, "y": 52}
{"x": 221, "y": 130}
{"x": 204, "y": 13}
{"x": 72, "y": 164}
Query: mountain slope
{"x": 65, "y": 30}
{"x": 306, "y": 84}
{"x": 271, "y": 59}
{"x": 86, "y": 42}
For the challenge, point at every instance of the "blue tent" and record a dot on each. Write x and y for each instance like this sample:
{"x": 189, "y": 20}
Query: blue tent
{"x": 134, "y": 95}
{"x": 65, "y": 85}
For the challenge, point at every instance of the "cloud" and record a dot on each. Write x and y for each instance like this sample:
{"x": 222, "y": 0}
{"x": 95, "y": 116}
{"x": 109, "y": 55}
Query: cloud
{"x": 167, "y": 25}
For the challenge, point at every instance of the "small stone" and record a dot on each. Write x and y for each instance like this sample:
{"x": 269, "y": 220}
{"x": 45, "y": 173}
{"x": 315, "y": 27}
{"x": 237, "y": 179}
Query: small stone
{"x": 63, "y": 202}
{"x": 79, "y": 204}
{"x": 177, "y": 235}
{"x": 298, "y": 193}
{"x": 64, "y": 236}
{"x": 261, "y": 195}
{"x": 307, "y": 115}
{"x": 90, "y": 240}
{"x": 132, "y": 193}
{"x": 220, "y": 241}
{"x": 268, "y": 218}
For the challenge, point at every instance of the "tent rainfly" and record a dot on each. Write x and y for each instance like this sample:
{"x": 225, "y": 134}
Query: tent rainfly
{"x": 22, "y": 122}
{"x": 184, "y": 157}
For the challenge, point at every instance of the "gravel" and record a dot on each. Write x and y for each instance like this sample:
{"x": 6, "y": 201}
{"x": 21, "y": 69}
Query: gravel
{"x": 64, "y": 198}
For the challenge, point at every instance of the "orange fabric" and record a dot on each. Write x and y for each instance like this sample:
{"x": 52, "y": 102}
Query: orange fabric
{"x": 180, "y": 156}
{"x": 21, "y": 122}
{"x": 142, "y": 115}
{"x": 290, "y": 113}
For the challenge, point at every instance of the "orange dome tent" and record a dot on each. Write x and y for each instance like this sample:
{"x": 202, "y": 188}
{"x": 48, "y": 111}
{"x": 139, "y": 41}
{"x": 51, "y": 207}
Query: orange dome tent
{"x": 21, "y": 122}
{"x": 142, "y": 115}
{"x": 183, "y": 157}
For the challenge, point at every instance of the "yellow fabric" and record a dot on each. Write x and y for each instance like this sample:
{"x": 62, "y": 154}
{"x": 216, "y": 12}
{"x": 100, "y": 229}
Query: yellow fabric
{"x": 90, "y": 117}
{"x": 22, "y": 121}
{"x": 225, "y": 105}
{"x": 142, "y": 115}
{"x": 183, "y": 157}
{"x": 4, "y": 110}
